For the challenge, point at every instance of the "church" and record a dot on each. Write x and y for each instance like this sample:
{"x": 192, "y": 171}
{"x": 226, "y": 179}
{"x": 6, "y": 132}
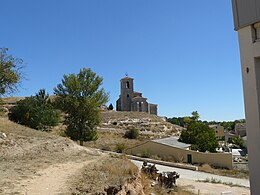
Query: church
{"x": 129, "y": 100}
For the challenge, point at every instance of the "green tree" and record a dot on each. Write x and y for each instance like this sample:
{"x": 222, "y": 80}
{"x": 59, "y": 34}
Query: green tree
{"x": 79, "y": 96}
{"x": 238, "y": 141}
{"x": 110, "y": 107}
{"x": 36, "y": 112}
{"x": 195, "y": 115}
{"x": 10, "y": 72}
{"x": 200, "y": 136}
{"x": 187, "y": 121}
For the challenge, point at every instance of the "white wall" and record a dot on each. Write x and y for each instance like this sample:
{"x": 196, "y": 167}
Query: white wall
{"x": 250, "y": 64}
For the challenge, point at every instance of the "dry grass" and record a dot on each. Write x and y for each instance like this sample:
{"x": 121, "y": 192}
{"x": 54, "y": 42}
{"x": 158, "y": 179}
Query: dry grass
{"x": 109, "y": 141}
{"x": 95, "y": 178}
{"x": 225, "y": 172}
{"x": 11, "y": 100}
{"x": 119, "y": 168}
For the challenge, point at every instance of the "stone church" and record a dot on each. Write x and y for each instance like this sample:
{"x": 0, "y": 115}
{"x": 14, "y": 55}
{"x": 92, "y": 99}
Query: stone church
{"x": 129, "y": 100}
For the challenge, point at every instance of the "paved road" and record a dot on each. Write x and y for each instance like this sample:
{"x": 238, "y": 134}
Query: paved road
{"x": 196, "y": 175}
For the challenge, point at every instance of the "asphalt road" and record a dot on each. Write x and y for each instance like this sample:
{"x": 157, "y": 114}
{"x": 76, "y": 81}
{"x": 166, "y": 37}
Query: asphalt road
{"x": 196, "y": 175}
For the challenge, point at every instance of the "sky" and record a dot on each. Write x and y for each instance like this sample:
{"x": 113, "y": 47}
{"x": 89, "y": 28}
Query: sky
{"x": 182, "y": 54}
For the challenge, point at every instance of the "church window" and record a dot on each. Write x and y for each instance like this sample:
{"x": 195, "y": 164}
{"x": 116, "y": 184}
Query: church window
{"x": 127, "y": 84}
{"x": 127, "y": 95}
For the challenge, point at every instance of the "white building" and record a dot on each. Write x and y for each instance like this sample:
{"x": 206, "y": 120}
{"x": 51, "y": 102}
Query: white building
{"x": 247, "y": 23}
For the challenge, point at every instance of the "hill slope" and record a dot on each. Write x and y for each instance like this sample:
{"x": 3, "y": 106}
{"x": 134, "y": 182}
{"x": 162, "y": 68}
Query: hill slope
{"x": 35, "y": 162}
{"x": 146, "y": 123}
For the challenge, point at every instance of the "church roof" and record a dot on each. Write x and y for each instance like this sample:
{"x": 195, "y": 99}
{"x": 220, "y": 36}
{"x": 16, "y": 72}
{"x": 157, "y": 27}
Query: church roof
{"x": 138, "y": 98}
{"x": 127, "y": 78}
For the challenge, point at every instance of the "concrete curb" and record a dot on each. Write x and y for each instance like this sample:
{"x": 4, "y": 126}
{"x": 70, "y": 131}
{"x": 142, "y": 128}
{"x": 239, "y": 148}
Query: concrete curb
{"x": 165, "y": 163}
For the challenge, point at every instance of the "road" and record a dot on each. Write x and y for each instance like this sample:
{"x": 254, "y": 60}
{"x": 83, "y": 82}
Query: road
{"x": 196, "y": 175}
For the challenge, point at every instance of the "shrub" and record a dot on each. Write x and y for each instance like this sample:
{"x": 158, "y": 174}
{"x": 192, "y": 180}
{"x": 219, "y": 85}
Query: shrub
{"x": 145, "y": 154}
{"x": 120, "y": 147}
{"x": 132, "y": 133}
{"x": 110, "y": 107}
{"x": 36, "y": 112}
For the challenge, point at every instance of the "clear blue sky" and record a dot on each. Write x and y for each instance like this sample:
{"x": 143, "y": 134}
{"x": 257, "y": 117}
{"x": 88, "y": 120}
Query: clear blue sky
{"x": 183, "y": 54}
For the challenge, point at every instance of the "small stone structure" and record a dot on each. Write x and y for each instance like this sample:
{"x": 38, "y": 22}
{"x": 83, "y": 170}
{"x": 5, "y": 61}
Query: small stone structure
{"x": 129, "y": 100}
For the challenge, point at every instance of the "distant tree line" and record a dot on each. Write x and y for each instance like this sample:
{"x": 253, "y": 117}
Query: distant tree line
{"x": 182, "y": 121}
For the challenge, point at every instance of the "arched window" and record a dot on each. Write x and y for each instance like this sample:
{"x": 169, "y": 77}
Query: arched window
{"x": 127, "y": 84}
{"x": 127, "y": 95}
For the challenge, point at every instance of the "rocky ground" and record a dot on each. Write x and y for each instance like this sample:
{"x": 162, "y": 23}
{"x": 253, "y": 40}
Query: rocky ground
{"x": 147, "y": 124}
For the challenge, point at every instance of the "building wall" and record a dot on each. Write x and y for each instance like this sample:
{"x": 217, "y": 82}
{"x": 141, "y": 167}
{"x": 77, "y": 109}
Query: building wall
{"x": 153, "y": 109}
{"x": 219, "y": 131}
{"x": 250, "y": 64}
{"x": 118, "y": 104}
{"x": 139, "y": 104}
{"x": 181, "y": 155}
{"x": 240, "y": 129}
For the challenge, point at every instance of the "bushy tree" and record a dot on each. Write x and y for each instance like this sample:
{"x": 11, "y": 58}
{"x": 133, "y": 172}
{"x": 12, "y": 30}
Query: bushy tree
{"x": 238, "y": 141}
{"x": 36, "y": 112}
{"x": 110, "y": 107}
{"x": 195, "y": 115}
{"x": 132, "y": 133}
{"x": 10, "y": 72}
{"x": 200, "y": 136}
{"x": 80, "y": 96}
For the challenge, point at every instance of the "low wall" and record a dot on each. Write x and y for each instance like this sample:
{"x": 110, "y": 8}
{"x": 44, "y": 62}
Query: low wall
{"x": 223, "y": 160}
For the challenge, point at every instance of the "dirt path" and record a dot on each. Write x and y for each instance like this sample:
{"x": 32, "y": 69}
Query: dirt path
{"x": 53, "y": 179}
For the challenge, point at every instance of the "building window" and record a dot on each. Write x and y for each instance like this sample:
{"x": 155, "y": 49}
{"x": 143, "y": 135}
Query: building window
{"x": 256, "y": 31}
{"x": 127, "y": 95}
{"x": 127, "y": 84}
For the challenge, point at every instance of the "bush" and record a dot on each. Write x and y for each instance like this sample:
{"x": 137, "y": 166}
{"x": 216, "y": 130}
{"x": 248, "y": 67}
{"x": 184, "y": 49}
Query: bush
{"x": 36, "y": 112}
{"x": 145, "y": 154}
{"x": 120, "y": 147}
{"x": 132, "y": 133}
{"x": 110, "y": 107}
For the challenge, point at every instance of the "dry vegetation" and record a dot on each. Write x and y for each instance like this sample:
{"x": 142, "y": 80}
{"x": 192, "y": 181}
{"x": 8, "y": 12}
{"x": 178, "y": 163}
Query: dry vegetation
{"x": 109, "y": 141}
{"x": 24, "y": 153}
{"x": 225, "y": 172}
{"x": 111, "y": 173}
